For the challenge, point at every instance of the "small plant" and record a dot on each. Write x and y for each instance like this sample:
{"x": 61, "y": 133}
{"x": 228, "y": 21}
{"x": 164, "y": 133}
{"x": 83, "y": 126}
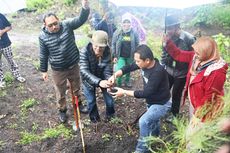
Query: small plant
{"x": 119, "y": 137}
{"x": 116, "y": 120}
{"x": 34, "y": 127}
{"x": 36, "y": 64}
{"x": 2, "y": 143}
{"x": 106, "y": 137}
{"x": 27, "y": 138}
{"x": 3, "y": 93}
{"x": 13, "y": 126}
{"x": 26, "y": 104}
{"x": 9, "y": 78}
{"x": 55, "y": 132}
{"x": 21, "y": 88}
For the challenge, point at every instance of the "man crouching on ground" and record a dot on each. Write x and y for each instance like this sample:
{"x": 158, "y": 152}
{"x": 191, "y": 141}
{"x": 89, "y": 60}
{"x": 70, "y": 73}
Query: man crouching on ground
{"x": 156, "y": 92}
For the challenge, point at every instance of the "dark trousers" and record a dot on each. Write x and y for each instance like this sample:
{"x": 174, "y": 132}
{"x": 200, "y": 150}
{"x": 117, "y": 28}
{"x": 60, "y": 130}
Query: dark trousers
{"x": 177, "y": 86}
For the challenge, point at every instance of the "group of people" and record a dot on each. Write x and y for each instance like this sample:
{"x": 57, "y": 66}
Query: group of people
{"x": 189, "y": 65}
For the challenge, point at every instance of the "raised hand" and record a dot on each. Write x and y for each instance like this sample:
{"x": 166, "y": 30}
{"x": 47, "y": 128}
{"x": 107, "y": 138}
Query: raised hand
{"x": 85, "y": 4}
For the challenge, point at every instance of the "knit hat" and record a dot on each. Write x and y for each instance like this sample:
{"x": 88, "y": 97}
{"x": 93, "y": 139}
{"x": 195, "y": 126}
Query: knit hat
{"x": 171, "y": 20}
{"x": 100, "y": 38}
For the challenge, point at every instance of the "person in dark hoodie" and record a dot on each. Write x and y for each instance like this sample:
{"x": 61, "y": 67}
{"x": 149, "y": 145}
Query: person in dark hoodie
{"x": 58, "y": 47}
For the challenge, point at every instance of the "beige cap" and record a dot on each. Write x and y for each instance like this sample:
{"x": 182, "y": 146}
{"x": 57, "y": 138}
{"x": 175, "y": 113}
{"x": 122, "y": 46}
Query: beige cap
{"x": 100, "y": 38}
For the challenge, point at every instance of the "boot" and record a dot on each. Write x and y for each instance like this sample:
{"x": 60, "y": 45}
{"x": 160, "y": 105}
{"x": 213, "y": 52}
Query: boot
{"x": 62, "y": 116}
{"x": 83, "y": 109}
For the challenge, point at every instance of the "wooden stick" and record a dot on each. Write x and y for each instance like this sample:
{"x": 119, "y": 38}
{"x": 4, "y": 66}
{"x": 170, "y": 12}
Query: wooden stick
{"x": 79, "y": 120}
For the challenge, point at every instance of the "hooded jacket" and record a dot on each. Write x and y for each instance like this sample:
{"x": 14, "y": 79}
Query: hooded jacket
{"x": 117, "y": 39}
{"x": 60, "y": 48}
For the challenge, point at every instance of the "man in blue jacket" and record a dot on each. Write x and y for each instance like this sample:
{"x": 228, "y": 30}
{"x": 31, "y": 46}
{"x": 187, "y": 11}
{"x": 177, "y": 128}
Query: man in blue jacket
{"x": 57, "y": 46}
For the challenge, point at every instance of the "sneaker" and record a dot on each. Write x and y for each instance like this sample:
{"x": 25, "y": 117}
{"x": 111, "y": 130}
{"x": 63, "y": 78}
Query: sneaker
{"x": 21, "y": 79}
{"x": 62, "y": 116}
{"x": 83, "y": 109}
{"x": 2, "y": 84}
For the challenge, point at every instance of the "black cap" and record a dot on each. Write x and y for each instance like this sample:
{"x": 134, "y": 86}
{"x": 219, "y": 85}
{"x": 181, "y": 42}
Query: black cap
{"x": 171, "y": 20}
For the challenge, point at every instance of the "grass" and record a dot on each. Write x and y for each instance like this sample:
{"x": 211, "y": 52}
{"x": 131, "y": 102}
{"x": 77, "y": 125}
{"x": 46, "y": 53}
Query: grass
{"x": 29, "y": 137}
{"x": 116, "y": 120}
{"x": 2, "y": 144}
{"x": 26, "y": 104}
{"x": 206, "y": 136}
{"x": 3, "y": 93}
{"x": 9, "y": 78}
{"x": 36, "y": 64}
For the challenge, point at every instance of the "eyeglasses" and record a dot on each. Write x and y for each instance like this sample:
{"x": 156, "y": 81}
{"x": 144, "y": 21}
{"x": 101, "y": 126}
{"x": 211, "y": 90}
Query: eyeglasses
{"x": 53, "y": 24}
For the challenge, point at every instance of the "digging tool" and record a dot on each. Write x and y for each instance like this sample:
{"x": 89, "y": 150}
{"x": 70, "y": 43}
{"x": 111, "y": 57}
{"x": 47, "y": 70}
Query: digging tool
{"x": 79, "y": 120}
{"x": 74, "y": 106}
{"x": 132, "y": 124}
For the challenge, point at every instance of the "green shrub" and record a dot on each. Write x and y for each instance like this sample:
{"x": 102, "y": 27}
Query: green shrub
{"x": 155, "y": 44}
{"x": 223, "y": 43}
{"x": 38, "y": 5}
{"x": 213, "y": 15}
{"x": 69, "y": 2}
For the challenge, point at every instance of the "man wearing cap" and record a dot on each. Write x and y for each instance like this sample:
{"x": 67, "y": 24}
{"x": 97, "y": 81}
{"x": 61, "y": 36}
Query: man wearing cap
{"x": 58, "y": 47}
{"x": 124, "y": 43}
{"x": 95, "y": 69}
{"x": 176, "y": 70}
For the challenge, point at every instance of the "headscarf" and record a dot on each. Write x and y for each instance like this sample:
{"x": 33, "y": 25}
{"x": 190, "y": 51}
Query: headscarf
{"x": 206, "y": 53}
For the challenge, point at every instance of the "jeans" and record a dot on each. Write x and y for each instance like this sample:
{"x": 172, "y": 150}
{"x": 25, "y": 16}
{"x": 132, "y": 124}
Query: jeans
{"x": 149, "y": 124}
{"x": 90, "y": 95}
